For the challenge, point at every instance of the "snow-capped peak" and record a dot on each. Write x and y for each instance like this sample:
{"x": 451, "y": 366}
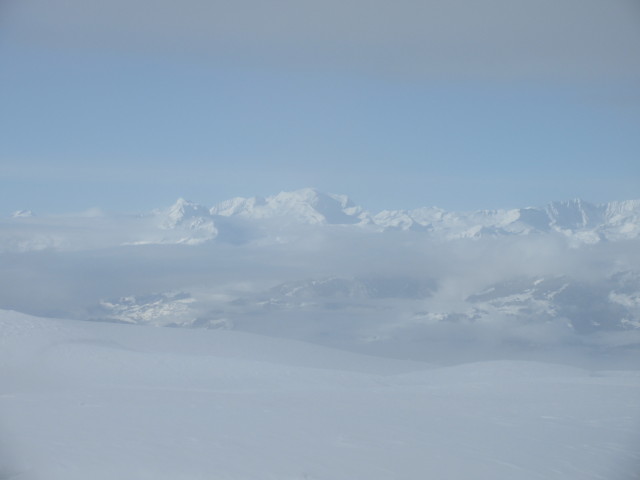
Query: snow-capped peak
{"x": 192, "y": 223}
{"x": 307, "y": 205}
{"x": 185, "y": 211}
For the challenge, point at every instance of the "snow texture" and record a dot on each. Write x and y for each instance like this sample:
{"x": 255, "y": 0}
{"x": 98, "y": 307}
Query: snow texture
{"x": 92, "y": 400}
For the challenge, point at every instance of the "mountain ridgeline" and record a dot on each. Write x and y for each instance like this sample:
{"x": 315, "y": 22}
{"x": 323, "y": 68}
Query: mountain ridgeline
{"x": 278, "y": 218}
{"x": 575, "y": 219}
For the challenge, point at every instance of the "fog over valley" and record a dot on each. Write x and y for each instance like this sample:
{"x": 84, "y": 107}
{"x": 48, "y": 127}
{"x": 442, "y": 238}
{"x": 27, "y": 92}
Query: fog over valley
{"x": 317, "y": 267}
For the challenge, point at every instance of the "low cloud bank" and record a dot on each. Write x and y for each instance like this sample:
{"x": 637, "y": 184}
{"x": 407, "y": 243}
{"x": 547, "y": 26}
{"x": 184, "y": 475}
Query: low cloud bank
{"x": 397, "y": 293}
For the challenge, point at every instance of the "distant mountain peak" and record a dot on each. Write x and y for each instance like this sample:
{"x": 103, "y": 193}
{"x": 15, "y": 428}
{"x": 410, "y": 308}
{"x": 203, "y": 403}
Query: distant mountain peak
{"x": 184, "y": 210}
{"x": 22, "y": 214}
{"x": 193, "y": 219}
{"x": 578, "y": 220}
{"x": 307, "y": 206}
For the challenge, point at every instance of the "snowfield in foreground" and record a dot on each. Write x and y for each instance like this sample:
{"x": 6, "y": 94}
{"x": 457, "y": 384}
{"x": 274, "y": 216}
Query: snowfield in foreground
{"x": 82, "y": 400}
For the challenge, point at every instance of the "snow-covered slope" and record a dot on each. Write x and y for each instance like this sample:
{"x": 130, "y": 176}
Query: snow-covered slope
{"x": 610, "y": 304}
{"x": 82, "y": 400}
{"x": 165, "y": 309}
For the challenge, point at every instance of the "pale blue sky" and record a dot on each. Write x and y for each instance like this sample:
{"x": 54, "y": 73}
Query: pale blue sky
{"x": 99, "y": 110}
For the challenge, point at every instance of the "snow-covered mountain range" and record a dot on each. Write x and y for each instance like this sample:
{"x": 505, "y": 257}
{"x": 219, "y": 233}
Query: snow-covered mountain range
{"x": 377, "y": 310}
{"x": 317, "y": 267}
{"x": 242, "y": 220}
{"x": 576, "y": 219}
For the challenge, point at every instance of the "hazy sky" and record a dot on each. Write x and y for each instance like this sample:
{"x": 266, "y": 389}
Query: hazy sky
{"x": 462, "y": 104}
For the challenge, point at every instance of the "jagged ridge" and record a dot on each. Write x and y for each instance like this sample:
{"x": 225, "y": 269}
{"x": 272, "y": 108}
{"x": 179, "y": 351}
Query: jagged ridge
{"x": 577, "y": 219}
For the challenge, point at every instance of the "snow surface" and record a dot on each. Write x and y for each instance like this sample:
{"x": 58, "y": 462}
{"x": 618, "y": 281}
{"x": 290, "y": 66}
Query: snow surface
{"x": 84, "y": 400}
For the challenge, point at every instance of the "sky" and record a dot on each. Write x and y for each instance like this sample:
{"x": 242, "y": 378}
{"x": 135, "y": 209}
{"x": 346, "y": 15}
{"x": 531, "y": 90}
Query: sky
{"x": 128, "y": 105}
